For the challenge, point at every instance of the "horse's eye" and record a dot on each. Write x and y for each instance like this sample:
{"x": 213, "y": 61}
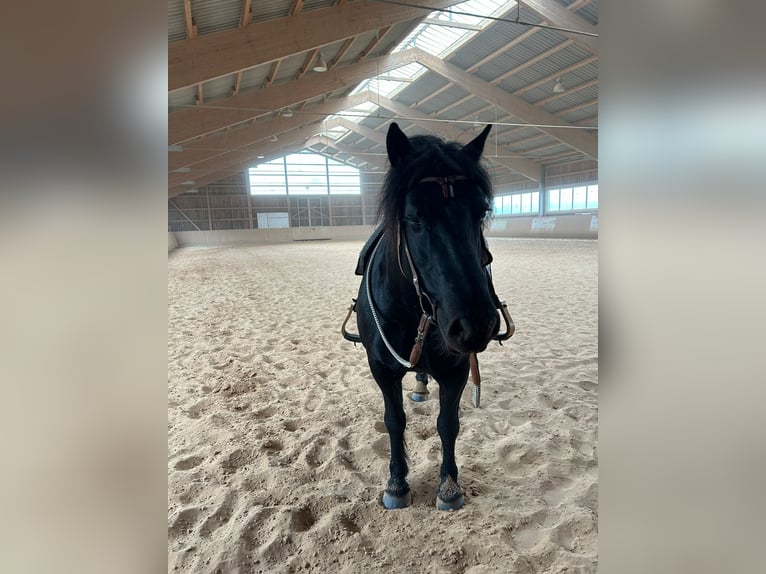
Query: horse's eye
{"x": 413, "y": 222}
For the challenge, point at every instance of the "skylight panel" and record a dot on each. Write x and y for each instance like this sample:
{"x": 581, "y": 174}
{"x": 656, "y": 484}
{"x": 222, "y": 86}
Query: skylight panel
{"x": 391, "y": 83}
{"x": 435, "y": 39}
{"x": 441, "y": 41}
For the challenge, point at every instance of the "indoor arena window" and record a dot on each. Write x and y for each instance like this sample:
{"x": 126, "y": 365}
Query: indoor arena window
{"x": 524, "y": 203}
{"x": 569, "y": 199}
{"x": 304, "y": 173}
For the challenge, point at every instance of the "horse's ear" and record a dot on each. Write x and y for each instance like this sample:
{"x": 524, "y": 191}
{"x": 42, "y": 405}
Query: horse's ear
{"x": 475, "y": 147}
{"x": 397, "y": 144}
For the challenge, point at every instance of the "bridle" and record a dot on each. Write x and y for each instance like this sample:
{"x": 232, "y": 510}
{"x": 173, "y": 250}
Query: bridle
{"x": 427, "y": 319}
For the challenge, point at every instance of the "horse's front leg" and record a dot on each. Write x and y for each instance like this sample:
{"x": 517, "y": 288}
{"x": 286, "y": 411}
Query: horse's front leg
{"x": 397, "y": 493}
{"x": 449, "y": 495}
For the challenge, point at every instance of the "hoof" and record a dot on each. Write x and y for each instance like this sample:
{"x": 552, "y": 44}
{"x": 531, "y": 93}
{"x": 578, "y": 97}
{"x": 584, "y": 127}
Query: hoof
{"x": 419, "y": 397}
{"x": 391, "y": 502}
{"x": 452, "y": 505}
{"x": 449, "y": 495}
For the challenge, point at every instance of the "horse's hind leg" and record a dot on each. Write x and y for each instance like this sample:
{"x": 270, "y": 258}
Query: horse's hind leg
{"x": 397, "y": 493}
{"x": 449, "y": 495}
{"x": 420, "y": 393}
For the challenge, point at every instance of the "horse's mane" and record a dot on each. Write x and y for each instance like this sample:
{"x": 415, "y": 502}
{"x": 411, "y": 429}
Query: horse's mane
{"x": 430, "y": 156}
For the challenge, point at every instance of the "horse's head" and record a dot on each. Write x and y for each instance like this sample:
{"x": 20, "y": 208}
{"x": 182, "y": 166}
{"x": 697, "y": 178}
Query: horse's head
{"x": 435, "y": 200}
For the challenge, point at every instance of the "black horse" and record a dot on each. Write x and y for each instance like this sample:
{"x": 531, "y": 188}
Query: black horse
{"x": 427, "y": 265}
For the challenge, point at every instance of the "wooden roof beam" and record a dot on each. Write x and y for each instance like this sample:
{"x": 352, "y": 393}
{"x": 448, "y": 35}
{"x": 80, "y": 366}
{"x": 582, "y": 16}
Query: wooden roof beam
{"x": 329, "y": 142}
{"x": 213, "y": 145}
{"x": 529, "y": 113}
{"x": 223, "y": 53}
{"x": 559, "y": 16}
{"x": 202, "y": 171}
{"x": 371, "y": 135}
{"x": 523, "y": 166}
{"x": 187, "y": 124}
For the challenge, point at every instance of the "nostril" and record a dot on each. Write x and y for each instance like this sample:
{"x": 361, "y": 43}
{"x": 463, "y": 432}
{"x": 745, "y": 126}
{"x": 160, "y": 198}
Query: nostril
{"x": 459, "y": 330}
{"x": 466, "y": 335}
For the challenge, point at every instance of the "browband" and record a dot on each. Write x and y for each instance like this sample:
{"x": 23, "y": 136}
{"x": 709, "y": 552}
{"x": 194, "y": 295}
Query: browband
{"x": 446, "y": 183}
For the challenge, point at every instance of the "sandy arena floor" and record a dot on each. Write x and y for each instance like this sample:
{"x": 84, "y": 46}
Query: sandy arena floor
{"x": 277, "y": 452}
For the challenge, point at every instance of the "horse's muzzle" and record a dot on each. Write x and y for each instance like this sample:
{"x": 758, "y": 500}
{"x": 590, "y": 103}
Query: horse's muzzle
{"x": 469, "y": 335}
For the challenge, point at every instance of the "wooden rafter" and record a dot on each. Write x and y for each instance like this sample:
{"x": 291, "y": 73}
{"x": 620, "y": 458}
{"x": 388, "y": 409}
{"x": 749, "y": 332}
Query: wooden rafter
{"x": 237, "y": 83}
{"x": 272, "y": 74}
{"x": 191, "y": 27}
{"x": 371, "y": 46}
{"x": 244, "y": 21}
{"x": 247, "y": 15}
{"x": 307, "y": 63}
{"x": 191, "y": 33}
{"x": 342, "y": 52}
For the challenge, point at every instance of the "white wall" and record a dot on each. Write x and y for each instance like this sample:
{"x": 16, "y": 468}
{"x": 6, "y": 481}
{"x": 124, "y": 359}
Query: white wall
{"x": 581, "y": 226}
{"x": 573, "y": 226}
{"x": 220, "y": 237}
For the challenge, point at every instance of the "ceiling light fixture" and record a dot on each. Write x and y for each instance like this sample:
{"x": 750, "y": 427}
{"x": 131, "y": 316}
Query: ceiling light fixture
{"x": 273, "y": 139}
{"x": 321, "y": 65}
{"x": 288, "y": 113}
{"x": 558, "y": 88}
